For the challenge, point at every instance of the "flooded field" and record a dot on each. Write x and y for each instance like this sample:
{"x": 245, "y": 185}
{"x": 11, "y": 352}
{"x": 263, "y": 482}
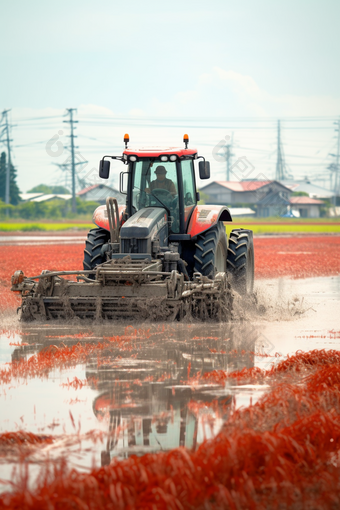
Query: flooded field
{"x": 89, "y": 397}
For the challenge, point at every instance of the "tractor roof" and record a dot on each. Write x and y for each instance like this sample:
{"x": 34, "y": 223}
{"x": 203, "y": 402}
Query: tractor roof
{"x": 154, "y": 152}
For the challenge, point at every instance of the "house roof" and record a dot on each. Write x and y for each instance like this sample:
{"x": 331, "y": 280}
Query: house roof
{"x": 305, "y": 201}
{"x": 100, "y": 186}
{"x": 241, "y": 186}
{"x": 241, "y": 211}
{"x": 30, "y": 196}
{"x": 51, "y": 196}
{"x": 312, "y": 189}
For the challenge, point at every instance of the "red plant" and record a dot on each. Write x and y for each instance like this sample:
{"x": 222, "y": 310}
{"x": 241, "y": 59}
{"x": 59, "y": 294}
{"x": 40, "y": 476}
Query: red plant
{"x": 22, "y": 438}
{"x": 61, "y": 357}
{"x": 282, "y": 449}
{"x": 297, "y": 257}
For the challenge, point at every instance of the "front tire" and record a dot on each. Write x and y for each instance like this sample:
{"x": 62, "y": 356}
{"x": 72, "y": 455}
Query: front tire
{"x": 211, "y": 251}
{"x": 240, "y": 260}
{"x": 93, "y": 256}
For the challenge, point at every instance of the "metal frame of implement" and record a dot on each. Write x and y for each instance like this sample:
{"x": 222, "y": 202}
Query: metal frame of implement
{"x": 122, "y": 289}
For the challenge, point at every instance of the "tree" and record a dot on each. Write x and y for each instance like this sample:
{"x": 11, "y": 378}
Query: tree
{"x": 14, "y": 192}
{"x": 300, "y": 194}
{"x": 4, "y": 207}
{"x": 44, "y": 188}
{"x": 41, "y": 188}
{"x": 60, "y": 190}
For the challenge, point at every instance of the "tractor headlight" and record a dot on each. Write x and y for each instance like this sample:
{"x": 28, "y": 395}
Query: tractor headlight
{"x": 164, "y": 158}
{"x": 133, "y": 158}
{"x": 173, "y": 157}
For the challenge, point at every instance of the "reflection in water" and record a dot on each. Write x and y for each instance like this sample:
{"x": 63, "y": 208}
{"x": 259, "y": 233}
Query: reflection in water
{"x": 142, "y": 391}
{"x": 147, "y": 391}
{"x": 141, "y": 385}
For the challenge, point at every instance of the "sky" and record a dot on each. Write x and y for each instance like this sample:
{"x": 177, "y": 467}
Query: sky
{"x": 159, "y": 69}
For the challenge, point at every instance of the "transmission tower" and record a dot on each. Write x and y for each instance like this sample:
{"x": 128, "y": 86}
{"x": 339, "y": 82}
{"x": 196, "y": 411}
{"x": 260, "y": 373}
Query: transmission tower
{"x": 72, "y": 136}
{"x": 337, "y": 164}
{"x": 280, "y": 164}
{"x": 8, "y": 169}
{"x": 229, "y": 155}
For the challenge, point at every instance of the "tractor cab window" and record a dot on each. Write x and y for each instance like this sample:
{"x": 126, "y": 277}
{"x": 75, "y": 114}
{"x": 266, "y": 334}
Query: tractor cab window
{"x": 189, "y": 190}
{"x": 154, "y": 184}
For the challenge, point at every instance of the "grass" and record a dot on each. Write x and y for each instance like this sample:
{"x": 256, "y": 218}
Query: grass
{"x": 43, "y": 227}
{"x": 257, "y": 225}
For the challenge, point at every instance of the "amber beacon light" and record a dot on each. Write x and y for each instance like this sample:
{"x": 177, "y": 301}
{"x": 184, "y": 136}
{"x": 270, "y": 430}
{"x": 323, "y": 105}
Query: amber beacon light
{"x": 126, "y": 140}
{"x": 186, "y": 140}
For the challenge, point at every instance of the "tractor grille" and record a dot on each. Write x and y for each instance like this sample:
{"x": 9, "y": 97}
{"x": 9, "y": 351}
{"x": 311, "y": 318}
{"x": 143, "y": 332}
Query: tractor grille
{"x": 134, "y": 245}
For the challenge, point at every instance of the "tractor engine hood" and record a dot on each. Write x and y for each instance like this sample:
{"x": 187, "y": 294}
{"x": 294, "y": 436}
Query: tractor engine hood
{"x": 145, "y": 227}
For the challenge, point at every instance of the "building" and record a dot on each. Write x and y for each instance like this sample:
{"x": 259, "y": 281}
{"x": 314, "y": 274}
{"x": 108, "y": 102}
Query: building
{"x": 306, "y": 207}
{"x": 43, "y": 197}
{"x": 100, "y": 192}
{"x": 271, "y": 198}
{"x": 306, "y": 186}
{"x": 242, "y": 211}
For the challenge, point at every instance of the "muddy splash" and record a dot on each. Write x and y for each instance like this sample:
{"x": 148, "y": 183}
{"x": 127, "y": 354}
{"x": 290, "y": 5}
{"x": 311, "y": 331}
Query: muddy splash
{"x": 270, "y": 303}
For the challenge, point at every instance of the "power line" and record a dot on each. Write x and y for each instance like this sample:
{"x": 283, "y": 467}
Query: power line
{"x": 29, "y": 119}
{"x": 211, "y": 119}
{"x": 117, "y": 122}
{"x": 30, "y": 144}
{"x": 251, "y": 129}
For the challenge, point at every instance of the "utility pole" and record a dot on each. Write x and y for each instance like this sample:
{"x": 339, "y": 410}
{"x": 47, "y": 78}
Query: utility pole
{"x": 337, "y": 163}
{"x": 71, "y": 121}
{"x": 280, "y": 173}
{"x": 228, "y": 155}
{"x": 8, "y": 170}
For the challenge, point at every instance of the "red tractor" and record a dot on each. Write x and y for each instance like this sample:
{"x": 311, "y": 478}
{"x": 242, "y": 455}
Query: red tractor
{"x": 161, "y": 245}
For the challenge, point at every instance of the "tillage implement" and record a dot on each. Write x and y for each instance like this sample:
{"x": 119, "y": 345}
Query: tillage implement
{"x": 159, "y": 256}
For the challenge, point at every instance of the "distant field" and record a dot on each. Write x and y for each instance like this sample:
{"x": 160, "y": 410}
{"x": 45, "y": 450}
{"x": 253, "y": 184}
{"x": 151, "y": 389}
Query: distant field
{"x": 292, "y": 221}
{"x": 43, "y": 227}
{"x": 286, "y": 228}
{"x": 257, "y": 225}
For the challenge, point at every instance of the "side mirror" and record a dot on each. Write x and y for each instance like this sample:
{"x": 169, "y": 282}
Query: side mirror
{"x": 104, "y": 169}
{"x": 204, "y": 169}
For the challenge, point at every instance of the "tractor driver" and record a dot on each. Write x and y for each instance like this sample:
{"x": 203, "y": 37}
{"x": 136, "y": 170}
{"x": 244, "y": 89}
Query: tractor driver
{"x": 161, "y": 182}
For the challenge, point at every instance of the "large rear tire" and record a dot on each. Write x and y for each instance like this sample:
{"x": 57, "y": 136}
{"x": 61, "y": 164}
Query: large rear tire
{"x": 211, "y": 251}
{"x": 240, "y": 260}
{"x": 96, "y": 238}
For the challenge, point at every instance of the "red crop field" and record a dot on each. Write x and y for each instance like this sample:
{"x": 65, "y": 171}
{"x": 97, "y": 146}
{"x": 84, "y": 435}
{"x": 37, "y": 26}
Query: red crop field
{"x": 296, "y": 257}
{"x": 32, "y": 260}
{"x": 281, "y": 452}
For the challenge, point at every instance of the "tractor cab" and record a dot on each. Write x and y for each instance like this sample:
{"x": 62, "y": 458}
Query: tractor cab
{"x": 161, "y": 178}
